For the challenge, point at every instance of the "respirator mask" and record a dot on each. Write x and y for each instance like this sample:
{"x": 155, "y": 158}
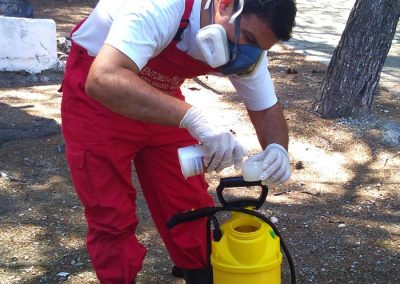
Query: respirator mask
{"x": 227, "y": 57}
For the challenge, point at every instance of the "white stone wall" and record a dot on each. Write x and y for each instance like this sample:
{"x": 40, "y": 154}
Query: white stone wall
{"x": 27, "y": 44}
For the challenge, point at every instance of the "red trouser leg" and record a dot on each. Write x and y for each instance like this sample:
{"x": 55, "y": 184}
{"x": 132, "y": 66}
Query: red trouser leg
{"x": 102, "y": 178}
{"x": 100, "y": 168}
{"x": 168, "y": 193}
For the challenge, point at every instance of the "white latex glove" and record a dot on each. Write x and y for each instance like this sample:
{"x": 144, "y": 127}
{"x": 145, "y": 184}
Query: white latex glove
{"x": 222, "y": 148}
{"x": 276, "y": 164}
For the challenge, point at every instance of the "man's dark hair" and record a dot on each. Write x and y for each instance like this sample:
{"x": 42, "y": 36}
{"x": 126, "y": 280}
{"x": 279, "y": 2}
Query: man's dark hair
{"x": 278, "y": 14}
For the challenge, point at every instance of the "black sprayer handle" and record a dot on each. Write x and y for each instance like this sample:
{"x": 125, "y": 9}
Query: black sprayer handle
{"x": 210, "y": 211}
{"x": 191, "y": 215}
{"x": 240, "y": 182}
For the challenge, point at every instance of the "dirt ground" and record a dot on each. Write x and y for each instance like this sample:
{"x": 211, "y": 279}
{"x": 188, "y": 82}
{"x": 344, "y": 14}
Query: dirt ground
{"x": 339, "y": 213}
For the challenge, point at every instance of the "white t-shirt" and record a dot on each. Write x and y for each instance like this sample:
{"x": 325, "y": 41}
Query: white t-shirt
{"x": 142, "y": 29}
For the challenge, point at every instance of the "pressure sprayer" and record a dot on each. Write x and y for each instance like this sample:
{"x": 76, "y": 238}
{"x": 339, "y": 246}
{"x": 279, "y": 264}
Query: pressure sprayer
{"x": 246, "y": 248}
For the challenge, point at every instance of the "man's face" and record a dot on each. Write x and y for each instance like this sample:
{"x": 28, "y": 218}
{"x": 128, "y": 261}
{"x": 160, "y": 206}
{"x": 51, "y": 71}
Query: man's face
{"x": 252, "y": 31}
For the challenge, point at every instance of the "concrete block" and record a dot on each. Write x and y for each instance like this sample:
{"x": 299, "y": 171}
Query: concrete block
{"x": 27, "y": 44}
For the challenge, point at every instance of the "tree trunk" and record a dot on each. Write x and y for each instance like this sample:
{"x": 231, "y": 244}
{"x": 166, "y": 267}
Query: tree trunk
{"x": 353, "y": 74}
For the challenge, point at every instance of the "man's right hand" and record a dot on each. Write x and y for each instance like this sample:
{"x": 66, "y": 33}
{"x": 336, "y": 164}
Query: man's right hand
{"x": 222, "y": 147}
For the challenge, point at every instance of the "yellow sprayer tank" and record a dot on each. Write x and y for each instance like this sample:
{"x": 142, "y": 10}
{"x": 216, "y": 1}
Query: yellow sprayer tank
{"x": 248, "y": 252}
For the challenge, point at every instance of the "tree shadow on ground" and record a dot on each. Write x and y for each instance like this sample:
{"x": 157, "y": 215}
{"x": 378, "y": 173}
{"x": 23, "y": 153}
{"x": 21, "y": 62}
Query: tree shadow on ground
{"x": 12, "y": 80}
{"x": 41, "y": 219}
{"x": 42, "y": 223}
{"x": 16, "y": 124}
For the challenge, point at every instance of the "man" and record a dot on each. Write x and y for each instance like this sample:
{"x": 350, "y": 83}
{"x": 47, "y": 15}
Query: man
{"x": 122, "y": 102}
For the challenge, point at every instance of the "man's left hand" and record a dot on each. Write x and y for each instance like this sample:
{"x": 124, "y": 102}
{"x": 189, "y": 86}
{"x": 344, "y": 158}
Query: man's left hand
{"x": 276, "y": 164}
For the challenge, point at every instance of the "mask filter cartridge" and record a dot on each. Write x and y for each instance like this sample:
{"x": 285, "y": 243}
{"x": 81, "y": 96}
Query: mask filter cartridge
{"x": 213, "y": 45}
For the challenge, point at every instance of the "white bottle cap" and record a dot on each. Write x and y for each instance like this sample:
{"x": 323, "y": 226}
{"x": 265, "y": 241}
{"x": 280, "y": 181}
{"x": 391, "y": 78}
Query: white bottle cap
{"x": 252, "y": 170}
{"x": 191, "y": 160}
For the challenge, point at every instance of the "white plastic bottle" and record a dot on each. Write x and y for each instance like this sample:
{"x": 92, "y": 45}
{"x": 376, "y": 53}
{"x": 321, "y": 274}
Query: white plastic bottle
{"x": 191, "y": 160}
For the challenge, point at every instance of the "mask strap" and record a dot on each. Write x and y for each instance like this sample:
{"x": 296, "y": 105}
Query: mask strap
{"x": 207, "y": 5}
{"x": 210, "y": 5}
{"x": 236, "y": 42}
{"x": 236, "y": 21}
{"x": 239, "y": 4}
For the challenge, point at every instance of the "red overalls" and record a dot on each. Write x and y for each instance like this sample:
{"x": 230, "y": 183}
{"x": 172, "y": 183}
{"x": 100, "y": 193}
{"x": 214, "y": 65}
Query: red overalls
{"x": 100, "y": 146}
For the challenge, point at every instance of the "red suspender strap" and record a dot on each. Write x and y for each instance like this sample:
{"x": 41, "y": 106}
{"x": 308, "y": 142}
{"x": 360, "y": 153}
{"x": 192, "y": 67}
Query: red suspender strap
{"x": 185, "y": 19}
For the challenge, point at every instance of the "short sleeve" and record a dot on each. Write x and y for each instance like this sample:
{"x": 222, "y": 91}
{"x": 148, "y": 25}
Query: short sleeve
{"x": 256, "y": 89}
{"x": 142, "y": 29}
